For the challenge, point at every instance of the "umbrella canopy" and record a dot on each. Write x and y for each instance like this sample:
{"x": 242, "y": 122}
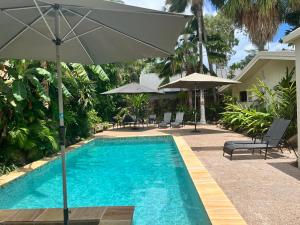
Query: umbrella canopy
{"x": 84, "y": 31}
{"x": 199, "y": 81}
{"x": 132, "y": 88}
{"x": 91, "y": 31}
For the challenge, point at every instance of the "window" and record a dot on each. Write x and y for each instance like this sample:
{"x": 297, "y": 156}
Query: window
{"x": 243, "y": 96}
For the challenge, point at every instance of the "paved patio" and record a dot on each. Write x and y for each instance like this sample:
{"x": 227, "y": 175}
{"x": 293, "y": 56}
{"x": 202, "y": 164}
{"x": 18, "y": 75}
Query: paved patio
{"x": 265, "y": 192}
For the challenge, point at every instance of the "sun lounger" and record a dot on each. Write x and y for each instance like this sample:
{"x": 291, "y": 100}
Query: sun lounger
{"x": 152, "y": 119}
{"x": 178, "y": 120}
{"x": 272, "y": 139}
{"x": 258, "y": 139}
{"x": 167, "y": 120}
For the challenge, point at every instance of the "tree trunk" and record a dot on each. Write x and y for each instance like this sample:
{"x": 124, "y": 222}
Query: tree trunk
{"x": 200, "y": 29}
{"x": 212, "y": 73}
{"x": 200, "y": 43}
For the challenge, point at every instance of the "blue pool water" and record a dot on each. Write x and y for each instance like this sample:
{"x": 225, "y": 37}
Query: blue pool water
{"x": 144, "y": 172}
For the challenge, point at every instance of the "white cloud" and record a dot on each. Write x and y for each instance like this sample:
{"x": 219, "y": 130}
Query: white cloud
{"x": 245, "y": 45}
{"x": 276, "y": 46}
{"x": 242, "y": 48}
{"x": 208, "y": 9}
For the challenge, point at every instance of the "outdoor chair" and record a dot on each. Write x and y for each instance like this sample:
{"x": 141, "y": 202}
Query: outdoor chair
{"x": 259, "y": 138}
{"x": 178, "y": 120}
{"x": 115, "y": 122}
{"x": 167, "y": 120}
{"x": 152, "y": 119}
{"x": 272, "y": 139}
{"x": 128, "y": 120}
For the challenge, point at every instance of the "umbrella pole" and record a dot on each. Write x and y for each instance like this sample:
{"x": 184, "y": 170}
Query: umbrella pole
{"x": 195, "y": 129}
{"x": 61, "y": 114}
{"x": 202, "y": 107}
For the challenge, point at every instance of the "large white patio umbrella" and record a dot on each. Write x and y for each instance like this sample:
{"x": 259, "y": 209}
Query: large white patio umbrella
{"x": 198, "y": 81}
{"x": 84, "y": 31}
{"x": 132, "y": 88}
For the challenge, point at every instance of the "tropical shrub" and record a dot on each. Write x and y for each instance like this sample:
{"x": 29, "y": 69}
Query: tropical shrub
{"x": 245, "y": 120}
{"x": 268, "y": 104}
{"x": 26, "y": 134}
{"x": 29, "y": 106}
{"x": 6, "y": 169}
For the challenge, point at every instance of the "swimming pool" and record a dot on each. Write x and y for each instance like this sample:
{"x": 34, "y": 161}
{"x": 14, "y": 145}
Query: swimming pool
{"x": 147, "y": 173}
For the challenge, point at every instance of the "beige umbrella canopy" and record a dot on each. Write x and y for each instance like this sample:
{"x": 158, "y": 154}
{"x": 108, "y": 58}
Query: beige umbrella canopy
{"x": 199, "y": 81}
{"x": 132, "y": 88}
{"x": 196, "y": 82}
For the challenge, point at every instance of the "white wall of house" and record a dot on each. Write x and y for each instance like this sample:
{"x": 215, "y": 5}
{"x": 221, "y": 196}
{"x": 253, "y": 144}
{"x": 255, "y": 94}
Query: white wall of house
{"x": 270, "y": 73}
{"x": 294, "y": 38}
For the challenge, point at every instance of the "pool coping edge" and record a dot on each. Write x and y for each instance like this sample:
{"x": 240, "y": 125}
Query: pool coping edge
{"x": 219, "y": 208}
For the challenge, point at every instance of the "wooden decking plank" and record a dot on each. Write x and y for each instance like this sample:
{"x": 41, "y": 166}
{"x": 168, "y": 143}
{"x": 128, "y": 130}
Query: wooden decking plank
{"x": 5, "y": 214}
{"x": 26, "y": 215}
{"x": 79, "y": 216}
{"x": 118, "y": 213}
{"x": 87, "y": 213}
{"x": 50, "y": 215}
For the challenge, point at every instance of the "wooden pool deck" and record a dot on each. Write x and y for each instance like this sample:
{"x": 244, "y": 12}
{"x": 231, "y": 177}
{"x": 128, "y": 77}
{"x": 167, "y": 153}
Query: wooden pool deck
{"x": 78, "y": 216}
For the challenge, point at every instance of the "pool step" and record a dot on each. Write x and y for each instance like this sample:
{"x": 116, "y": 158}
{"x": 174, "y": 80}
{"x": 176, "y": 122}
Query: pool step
{"x": 78, "y": 216}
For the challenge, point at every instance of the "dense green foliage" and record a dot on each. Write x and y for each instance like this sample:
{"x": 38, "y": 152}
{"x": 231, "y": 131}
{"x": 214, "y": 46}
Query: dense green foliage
{"x": 268, "y": 104}
{"x": 29, "y": 106}
{"x": 245, "y": 119}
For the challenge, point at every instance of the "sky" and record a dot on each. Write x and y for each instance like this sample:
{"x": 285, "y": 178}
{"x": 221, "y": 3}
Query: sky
{"x": 244, "y": 46}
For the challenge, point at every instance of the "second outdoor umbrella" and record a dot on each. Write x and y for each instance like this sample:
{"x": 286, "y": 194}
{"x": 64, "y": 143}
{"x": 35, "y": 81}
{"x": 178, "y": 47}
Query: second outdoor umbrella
{"x": 196, "y": 82}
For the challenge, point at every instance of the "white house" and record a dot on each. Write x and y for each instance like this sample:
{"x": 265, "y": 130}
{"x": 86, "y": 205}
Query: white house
{"x": 269, "y": 67}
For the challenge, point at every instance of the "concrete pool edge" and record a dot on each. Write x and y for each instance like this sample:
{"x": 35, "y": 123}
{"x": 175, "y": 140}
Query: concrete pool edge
{"x": 219, "y": 208}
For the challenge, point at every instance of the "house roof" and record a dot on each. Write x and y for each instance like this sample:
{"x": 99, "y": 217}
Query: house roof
{"x": 259, "y": 60}
{"x": 291, "y": 37}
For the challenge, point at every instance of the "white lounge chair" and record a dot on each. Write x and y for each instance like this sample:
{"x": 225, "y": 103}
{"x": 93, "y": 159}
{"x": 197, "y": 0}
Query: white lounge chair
{"x": 178, "y": 120}
{"x": 167, "y": 120}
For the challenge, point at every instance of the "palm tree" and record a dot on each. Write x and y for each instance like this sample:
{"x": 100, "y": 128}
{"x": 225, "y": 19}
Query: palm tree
{"x": 197, "y": 8}
{"x": 260, "y": 18}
